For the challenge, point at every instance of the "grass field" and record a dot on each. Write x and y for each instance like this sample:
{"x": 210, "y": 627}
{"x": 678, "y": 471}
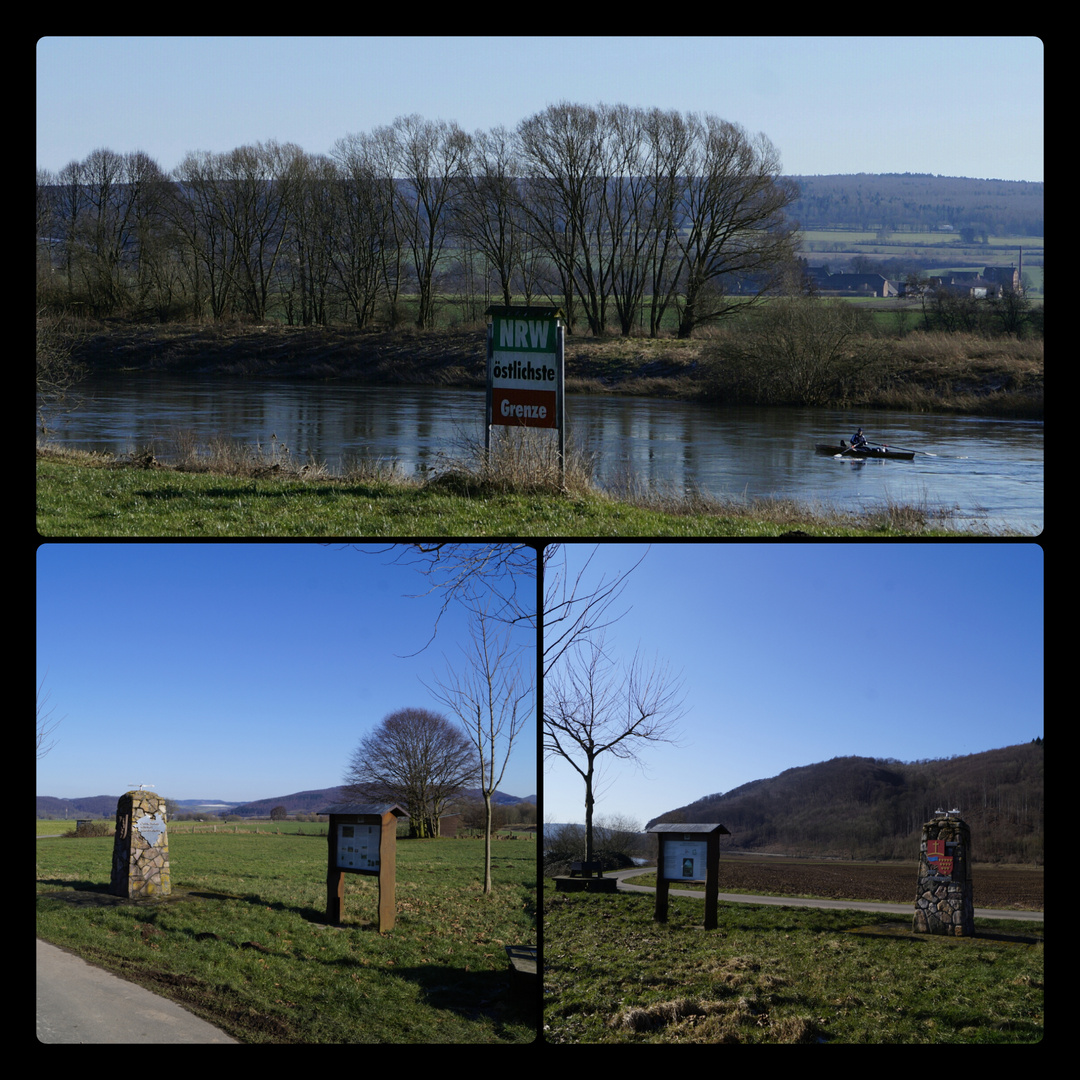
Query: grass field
{"x": 614, "y": 975}
{"x": 80, "y": 497}
{"x": 243, "y": 943}
{"x": 919, "y": 239}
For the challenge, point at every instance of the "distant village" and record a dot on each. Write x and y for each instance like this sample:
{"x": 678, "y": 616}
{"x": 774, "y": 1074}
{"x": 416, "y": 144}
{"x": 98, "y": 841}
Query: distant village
{"x": 988, "y": 283}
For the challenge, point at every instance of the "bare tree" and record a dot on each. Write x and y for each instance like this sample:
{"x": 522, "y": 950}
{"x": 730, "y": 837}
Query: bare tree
{"x": 488, "y": 211}
{"x": 464, "y": 572}
{"x": 256, "y": 197}
{"x": 106, "y": 211}
{"x": 594, "y": 706}
{"x": 670, "y": 139}
{"x": 417, "y": 758}
{"x": 431, "y": 157}
{"x": 304, "y": 271}
{"x": 620, "y": 835}
{"x": 732, "y": 202}
{"x": 490, "y": 697}
{"x": 46, "y": 722}
{"x": 69, "y": 205}
{"x": 629, "y": 212}
{"x": 364, "y": 236}
{"x": 201, "y": 228}
{"x": 1012, "y": 311}
{"x": 573, "y": 610}
{"x": 560, "y": 150}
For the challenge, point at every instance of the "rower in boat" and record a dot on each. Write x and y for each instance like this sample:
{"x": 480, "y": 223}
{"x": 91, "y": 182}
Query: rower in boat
{"x": 864, "y": 451}
{"x": 858, "y": 440}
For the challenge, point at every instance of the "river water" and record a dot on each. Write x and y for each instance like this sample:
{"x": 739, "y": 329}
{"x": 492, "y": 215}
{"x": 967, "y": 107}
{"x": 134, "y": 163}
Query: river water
{"x": 988, "y": 473}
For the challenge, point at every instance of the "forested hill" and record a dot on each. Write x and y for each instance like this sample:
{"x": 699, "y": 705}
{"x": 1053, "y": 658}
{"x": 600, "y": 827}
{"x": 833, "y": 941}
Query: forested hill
{"x": 857, "y": 807}
{"x": 917, "y": 202}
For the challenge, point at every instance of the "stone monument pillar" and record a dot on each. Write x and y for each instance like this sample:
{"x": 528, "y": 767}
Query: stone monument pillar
{"x": 140, "y": 867}
{"x": 943, "y": 902}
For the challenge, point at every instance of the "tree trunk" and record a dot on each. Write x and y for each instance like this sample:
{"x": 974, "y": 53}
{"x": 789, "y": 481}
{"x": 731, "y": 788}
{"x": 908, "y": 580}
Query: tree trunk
{"x": 487, "y": 841}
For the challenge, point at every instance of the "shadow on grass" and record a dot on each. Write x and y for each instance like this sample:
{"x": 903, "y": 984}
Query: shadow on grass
{"x": 901, "y": 931}
{"x": 250, "y": 486}
{"x": 91, "y": 894}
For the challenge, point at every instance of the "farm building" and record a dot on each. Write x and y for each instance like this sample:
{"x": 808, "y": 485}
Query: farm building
{"x": 828, "y": 284}
{"x": 965, "y": 283}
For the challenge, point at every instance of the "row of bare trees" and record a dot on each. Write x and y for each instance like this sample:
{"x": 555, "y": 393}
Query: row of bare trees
{"x": 623, "y": 216}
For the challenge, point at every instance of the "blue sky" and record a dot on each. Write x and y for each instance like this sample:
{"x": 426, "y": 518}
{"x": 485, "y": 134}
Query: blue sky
{"x": 956, "y": 106}
{"x": 233, "y": 671}
{"x": 793, "y": 654}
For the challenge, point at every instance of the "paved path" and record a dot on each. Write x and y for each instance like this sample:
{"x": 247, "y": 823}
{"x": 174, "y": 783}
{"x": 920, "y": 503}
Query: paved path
{"x": 79, "y": 1003}
{"x": 791, "y": 901}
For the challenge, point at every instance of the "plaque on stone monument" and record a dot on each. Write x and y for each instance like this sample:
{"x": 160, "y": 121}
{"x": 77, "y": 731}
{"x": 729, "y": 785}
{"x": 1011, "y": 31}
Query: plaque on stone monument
{"x": 151, "y": 826}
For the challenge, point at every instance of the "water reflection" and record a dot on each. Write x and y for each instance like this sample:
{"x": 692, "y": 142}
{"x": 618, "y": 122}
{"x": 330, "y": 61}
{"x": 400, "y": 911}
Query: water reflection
{"x": 990, "y": 471}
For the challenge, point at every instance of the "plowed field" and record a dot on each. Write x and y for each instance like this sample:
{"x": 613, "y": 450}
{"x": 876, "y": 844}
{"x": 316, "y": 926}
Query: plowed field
{"x": 992, "y": 887}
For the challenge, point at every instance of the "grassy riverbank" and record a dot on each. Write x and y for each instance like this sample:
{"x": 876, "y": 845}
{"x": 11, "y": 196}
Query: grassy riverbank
{"x": 85, "y": 495}
{"x": 922, "y": 372}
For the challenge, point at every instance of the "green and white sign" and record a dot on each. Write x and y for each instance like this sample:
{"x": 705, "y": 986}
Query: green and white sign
{"x": 525, "y": 367}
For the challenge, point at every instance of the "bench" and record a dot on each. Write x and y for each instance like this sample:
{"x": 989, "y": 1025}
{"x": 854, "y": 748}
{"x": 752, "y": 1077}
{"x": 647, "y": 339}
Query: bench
{"x": 586, "y": 877}
{"x": 522, "y": 966}
{"x": 586, "y": 869}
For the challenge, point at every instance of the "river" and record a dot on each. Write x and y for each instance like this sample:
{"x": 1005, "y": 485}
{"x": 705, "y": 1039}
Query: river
{"x": 987, "y": 473}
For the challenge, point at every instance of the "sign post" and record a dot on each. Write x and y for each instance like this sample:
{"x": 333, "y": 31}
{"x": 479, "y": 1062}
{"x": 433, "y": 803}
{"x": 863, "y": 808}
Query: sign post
{"x": 688, "y": 853}
{"x": 362, "y": 839}
{"x": 526, "y": 371}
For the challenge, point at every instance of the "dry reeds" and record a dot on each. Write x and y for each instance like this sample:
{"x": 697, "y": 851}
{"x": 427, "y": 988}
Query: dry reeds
{"x": 520, "y": 460}
{"x": 223, "y": 455}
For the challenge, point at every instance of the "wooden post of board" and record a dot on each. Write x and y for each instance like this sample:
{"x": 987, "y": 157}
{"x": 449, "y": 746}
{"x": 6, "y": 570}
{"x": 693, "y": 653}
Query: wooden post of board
{"x": 335, "y": 880}
{"x": 712, "y": 879}
{"x": 335, "y": 895}
{"x": 660, "y": 914}
{"x": 387, "y": 875}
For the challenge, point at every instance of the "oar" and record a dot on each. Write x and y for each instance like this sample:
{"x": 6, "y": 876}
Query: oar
{"x": 906, "y": 449}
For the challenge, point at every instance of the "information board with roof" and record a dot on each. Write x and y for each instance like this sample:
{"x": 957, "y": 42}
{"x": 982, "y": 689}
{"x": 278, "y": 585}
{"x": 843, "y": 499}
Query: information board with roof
{"x": 362, "y": 839}
{"x": 686, "y": 853}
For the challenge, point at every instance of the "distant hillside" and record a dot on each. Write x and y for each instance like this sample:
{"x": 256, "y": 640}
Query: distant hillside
{"x": 307, "y": 802}
{"x": 856, "y": 807}
{"x": 919, "y": 202}
{"x": 311, "y": 802}
{"x": 96, "y": 806}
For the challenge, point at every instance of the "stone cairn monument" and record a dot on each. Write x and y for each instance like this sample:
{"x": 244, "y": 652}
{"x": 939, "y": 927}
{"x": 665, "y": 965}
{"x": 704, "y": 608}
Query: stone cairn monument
{"x": 140, "y": 867}
{"x": 943, "y": 903}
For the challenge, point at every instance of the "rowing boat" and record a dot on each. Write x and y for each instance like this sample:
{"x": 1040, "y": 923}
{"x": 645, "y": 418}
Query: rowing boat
{"x": 865, "y": 452}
